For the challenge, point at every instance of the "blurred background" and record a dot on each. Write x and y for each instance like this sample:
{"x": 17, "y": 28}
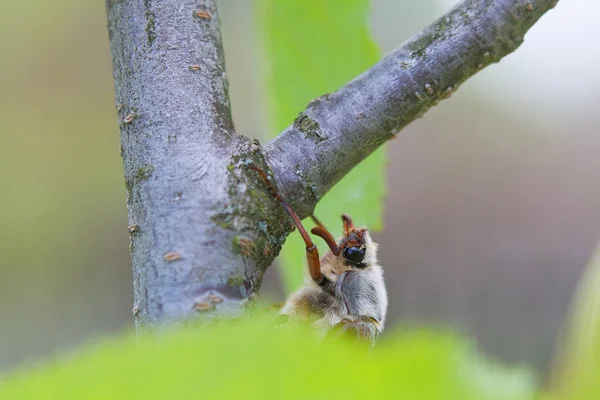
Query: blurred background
{"x": 493, "y": 206}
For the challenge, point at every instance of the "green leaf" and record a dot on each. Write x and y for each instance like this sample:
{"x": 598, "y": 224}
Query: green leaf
{"x": 575, "y": 374}
{"x": 253, "y": 360}
{"x": 314, "y": 47}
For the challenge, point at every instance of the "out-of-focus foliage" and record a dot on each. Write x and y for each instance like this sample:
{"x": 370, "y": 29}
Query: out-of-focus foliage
{"x": 327, "y": 47}
{"x": 254, "y": 360}
{"x": 576, "y": 373}
{"x": 63, "y": 222}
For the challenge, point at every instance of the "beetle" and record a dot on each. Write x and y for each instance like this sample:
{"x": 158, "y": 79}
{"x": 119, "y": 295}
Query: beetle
{"x": 346, "y": 291}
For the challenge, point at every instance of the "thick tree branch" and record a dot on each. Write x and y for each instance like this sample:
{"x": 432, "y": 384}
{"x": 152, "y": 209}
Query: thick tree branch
{"x": 201, "y": 236}
{"x": 338, "y": 130}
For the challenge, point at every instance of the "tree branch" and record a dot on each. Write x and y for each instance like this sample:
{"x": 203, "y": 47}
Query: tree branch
{"x": 338, "y": 130}
{"x": 201, "y": 236}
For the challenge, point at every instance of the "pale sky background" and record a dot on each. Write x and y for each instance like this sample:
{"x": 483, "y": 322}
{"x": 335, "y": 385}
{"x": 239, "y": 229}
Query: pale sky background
{"x": 557, "y": 65}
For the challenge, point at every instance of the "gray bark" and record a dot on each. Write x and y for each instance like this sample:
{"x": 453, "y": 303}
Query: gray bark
{"x": 201, "y": 235}
{"x": 203, "y": 227}
{"x": 338, "y": 130}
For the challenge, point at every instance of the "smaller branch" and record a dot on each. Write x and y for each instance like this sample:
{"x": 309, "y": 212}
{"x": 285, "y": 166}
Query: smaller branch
{"x": 338, "y": 130}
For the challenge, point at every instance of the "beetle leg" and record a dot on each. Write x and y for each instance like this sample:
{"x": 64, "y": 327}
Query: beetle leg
{"x": 326, "y": 236}
{"x": 312, "y": 254}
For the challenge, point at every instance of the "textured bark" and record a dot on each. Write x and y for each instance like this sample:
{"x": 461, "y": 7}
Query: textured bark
{"x": 203, "y": 227}
{"x": 201, "y": 237}
{"x": 338, "y": 130}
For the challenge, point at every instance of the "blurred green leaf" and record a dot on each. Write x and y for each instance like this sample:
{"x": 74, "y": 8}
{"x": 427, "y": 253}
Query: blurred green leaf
{"x": 575, "y": 374}
{"x": 314, "y": 47}
{"x": 252, "y": 360}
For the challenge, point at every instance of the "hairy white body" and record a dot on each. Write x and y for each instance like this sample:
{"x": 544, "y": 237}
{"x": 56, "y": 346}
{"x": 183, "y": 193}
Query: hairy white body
{"x": 356, "y": 296}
